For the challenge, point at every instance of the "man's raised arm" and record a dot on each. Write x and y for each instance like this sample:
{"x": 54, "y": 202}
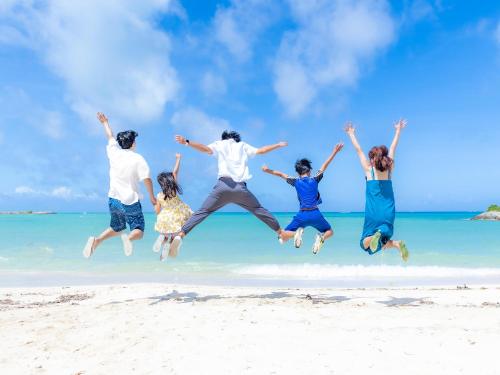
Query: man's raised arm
{"x": 104, "y": 121}
{"x": 266, "y": 149}
{"x": 197, "y": 146}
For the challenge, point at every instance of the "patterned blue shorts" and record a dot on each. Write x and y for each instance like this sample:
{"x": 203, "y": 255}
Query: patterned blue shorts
{"x": 122, "y": 214}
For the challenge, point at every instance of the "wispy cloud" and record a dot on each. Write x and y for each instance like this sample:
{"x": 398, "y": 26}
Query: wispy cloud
{"x": 497, "y": 33}
{"x": 61, "y": 192}
{"x": 213, "y": 84}
{"x": 239, "y": 25}
{"x": 110, "y": 54}
{"x": 15, "y": 101}
{"x": 332, "y": 43}
{"x": 198, "y": 124}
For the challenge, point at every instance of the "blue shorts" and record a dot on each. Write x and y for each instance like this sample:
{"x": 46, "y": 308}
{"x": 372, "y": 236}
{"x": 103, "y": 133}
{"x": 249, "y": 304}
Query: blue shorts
{"x": 122, "y": 214}
{"x": 313, "y": 218}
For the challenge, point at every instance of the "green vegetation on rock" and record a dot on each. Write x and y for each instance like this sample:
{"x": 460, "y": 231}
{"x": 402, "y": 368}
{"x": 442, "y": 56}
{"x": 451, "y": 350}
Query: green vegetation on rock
{"x": 494, "y": 208}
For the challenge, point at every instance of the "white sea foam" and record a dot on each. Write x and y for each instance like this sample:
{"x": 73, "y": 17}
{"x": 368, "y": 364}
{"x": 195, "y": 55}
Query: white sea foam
{"x": 333, "y": 272}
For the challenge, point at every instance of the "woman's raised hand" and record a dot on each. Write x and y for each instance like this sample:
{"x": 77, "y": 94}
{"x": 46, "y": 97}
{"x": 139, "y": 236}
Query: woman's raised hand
{"x": 177, "y": 156}
{"x": 349, "y": 128}
{"x": 401, "y": 124}
{"x": 338, "y": 147}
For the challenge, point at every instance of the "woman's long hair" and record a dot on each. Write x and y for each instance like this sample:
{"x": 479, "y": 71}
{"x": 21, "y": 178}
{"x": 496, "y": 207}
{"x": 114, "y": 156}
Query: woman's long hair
{"x": 169, "y": 186}
{"x": 379, "y": 157}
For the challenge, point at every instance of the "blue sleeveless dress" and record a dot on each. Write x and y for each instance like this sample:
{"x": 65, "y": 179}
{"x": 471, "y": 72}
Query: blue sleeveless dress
{"x": 380, "y": 211}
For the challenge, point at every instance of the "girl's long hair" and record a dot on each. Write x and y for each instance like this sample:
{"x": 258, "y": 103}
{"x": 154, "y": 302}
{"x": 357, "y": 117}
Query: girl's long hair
{"x": 169, "y": 186}
{"x": 379, "y": 156}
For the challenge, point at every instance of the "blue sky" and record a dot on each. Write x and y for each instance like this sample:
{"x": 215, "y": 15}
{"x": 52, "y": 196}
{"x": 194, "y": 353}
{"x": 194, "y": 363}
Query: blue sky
{"x": 273, "y": 70}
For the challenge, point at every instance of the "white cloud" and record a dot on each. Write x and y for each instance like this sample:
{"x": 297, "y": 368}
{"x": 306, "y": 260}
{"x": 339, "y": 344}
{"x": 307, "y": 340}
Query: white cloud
{"x": 110, "y": 54}
{"x": 213, "y": 84}
{"x": 333, "y": 41}
{"x": 239, "y": 25}
{"x": 24, "y": 190}
{"x": 195, "y": 123}
{"x": 60, "y": 192}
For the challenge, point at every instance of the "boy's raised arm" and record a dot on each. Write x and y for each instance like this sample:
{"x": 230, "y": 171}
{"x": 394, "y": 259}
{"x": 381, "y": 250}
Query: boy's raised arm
{"x": 175, "y": 172}
{"x": 104, "y": 121}
{"x": 273, "y": 172}
{"x": 350, "y": 130}
{"x": 400, "y": 125}
{"x": 338, "y": 147}
{"x": 266, "y": 149}
{"x": 197, "y": 146}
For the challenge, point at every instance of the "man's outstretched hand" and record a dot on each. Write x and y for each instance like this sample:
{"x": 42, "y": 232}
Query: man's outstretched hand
{"x": 180, "y": 139}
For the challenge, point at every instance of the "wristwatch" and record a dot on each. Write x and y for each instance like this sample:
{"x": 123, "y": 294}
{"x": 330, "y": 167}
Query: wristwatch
{"x": 187, "y": 142}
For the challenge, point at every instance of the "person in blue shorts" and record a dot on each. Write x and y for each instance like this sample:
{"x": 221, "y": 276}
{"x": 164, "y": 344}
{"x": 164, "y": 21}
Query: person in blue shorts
{"x": 380, "y": 207}
{"x": 309, "y": 200}
{"x": 126, "y": 169}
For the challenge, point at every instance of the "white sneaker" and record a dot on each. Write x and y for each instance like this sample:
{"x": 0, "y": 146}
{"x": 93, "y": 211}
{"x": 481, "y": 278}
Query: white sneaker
{"x": 158, "y": 243}
{"x": 297, "y": 238}
{"x": 127, "y": 245}
{"x": 88, "y": 250}
{"x": 175, "y": 246}
{"x": 318, "y": 243}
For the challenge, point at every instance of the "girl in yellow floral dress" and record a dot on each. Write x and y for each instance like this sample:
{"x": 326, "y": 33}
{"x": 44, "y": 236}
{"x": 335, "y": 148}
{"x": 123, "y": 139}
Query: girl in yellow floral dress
{"x": 171, "y": 212}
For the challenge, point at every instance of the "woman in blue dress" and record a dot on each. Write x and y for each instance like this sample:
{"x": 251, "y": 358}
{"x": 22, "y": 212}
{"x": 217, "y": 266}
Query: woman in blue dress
{"x": 380, "y": 209}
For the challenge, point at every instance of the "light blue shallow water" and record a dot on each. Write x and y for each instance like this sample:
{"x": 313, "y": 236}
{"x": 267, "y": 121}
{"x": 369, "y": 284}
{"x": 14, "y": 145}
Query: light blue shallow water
{"x": 236, "y": 248}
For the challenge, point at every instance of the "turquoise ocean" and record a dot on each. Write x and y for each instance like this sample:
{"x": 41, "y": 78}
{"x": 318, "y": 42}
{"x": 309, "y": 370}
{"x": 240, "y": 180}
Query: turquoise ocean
{"x": 447, "y": 249}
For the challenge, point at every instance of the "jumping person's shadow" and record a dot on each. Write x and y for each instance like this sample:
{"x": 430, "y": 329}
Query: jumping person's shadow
{"x": 189, "y": 297}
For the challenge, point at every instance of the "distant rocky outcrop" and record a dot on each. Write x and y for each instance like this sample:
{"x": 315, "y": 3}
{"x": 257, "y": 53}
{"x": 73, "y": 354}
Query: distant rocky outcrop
{"x": 493, "y": 213}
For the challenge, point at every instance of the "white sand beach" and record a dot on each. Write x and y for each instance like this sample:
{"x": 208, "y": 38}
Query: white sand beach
{"x": 182, "y": 329}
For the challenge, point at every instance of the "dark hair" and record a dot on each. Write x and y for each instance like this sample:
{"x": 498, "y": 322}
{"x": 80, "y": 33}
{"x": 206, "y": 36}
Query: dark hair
{"x": 379, "y": 157}
{"x": 303, "y": 166}
{"x": 126, "y": 139}
{"x": 230, "y": 134}
{"x": 169, "y": 186}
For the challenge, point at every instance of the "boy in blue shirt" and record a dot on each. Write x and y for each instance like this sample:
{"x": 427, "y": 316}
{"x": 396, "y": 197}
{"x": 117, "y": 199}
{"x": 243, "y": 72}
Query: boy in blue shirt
{"x": 309, "y": 199}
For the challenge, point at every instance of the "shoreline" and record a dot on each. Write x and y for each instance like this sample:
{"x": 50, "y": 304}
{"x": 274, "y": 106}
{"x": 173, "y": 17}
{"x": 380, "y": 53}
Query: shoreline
{"x": 37, "y": 279}
{"x": 179, "y": 329}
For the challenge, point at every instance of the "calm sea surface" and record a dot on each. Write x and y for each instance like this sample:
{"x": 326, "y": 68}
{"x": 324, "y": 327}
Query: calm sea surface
{"x": 237, "y": 249}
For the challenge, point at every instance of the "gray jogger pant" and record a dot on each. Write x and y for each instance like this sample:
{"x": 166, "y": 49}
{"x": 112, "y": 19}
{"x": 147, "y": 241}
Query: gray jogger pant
{"x": 227, "y": 191}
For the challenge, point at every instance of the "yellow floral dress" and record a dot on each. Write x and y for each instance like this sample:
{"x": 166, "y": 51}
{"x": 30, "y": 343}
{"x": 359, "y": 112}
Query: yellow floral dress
{"x": 173, "y": 215}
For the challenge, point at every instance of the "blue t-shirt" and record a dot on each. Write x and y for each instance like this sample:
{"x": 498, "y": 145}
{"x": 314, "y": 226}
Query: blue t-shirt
{"x": 307, "y": 190}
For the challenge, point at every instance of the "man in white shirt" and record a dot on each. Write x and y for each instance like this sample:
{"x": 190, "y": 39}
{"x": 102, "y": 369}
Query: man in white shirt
{"x": 126, "y": 169}
{"x": 232, "y": 155}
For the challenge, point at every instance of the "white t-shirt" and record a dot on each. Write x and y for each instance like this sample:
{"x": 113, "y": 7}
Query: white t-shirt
{"x": 126, "y": 169}
{"x": 233, "y": 158}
